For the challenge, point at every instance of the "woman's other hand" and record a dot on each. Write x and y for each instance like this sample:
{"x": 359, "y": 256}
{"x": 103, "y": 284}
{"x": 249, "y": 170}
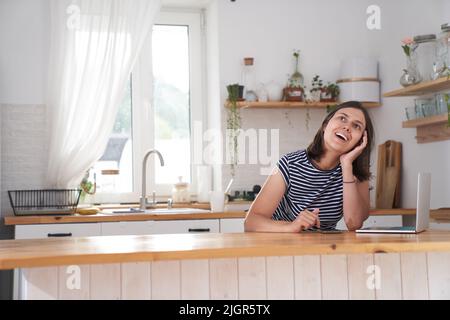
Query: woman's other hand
{"x": 306, "y": 219}
{"x": 349, "y": 157}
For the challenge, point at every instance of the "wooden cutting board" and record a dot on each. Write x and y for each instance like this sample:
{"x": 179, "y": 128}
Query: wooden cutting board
{"x": 389, "y": 175}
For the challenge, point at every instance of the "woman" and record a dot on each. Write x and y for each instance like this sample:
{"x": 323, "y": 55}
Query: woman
{"x": 313, "y": 188}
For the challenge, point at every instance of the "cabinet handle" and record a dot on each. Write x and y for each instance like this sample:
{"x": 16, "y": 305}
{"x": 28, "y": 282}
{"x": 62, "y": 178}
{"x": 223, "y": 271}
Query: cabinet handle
{"x": 53, "y": 235}
{"x": 199, "y": 230}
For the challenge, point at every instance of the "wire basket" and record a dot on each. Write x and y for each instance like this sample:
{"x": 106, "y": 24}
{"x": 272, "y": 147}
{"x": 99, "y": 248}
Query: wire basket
{"x": 36, "y": 202}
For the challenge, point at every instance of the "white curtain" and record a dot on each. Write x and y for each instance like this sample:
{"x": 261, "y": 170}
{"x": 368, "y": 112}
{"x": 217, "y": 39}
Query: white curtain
{"x": 94, "y": 45}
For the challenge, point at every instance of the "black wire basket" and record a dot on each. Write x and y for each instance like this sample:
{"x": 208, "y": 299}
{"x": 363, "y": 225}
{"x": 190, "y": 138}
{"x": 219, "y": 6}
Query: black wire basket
{"x": 44, "y": 202}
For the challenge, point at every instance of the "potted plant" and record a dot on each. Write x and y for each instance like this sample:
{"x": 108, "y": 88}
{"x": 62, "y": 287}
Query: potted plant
{"x": 316, "y": 88}
{"x": 233, "y": 125}
{"x": 329, "y": 93}
{"x": 294, "y": 90}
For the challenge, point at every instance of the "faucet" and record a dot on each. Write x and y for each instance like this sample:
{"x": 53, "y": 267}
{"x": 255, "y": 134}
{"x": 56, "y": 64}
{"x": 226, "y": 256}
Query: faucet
{"x": 144, "y": 202}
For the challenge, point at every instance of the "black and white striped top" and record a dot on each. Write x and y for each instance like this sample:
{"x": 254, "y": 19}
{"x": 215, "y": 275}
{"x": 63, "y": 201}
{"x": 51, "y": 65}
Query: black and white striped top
{"x": 308, "y": 187}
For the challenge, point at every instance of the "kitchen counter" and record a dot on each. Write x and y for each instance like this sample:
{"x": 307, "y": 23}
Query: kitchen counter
{"x": 24, "y": 220}
{"x": 100, "y": 217}
{"x": 111, "y": 249}
{"x": 236, "y": 266}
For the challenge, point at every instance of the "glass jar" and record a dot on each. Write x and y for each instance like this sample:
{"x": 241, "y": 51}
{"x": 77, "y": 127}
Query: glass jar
{"x": 249, "y": 79}
{"x": 426, "y": 55}
{"x": 441, "y": 102}
{"x": 443, "y": 49}
{"x": 180, "y": 191}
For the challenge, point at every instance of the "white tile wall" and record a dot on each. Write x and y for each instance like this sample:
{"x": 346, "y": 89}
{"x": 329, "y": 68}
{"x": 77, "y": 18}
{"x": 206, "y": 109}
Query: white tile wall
{"x": 24, "y": 149}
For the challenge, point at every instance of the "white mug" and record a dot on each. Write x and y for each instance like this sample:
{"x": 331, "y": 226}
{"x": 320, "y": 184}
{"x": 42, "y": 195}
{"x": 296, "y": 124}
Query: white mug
{"x": 217, "y": 201}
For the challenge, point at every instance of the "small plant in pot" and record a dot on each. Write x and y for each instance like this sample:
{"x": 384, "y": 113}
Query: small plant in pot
{"x": 233, "y": 125}
{"x": 316, "y": 88}
{"x": 330, "y": 93}
{"x": 293, "y": 91}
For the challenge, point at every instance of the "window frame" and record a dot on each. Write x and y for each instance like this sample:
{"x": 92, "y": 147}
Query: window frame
{"x": 142, "y": 108}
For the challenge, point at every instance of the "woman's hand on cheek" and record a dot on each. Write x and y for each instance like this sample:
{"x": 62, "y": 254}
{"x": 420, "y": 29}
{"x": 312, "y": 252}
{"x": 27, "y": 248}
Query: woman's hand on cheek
{"x": 349, "y": 157}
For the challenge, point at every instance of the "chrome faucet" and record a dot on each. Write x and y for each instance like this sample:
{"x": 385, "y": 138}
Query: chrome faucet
{"x": 144, "y": 202}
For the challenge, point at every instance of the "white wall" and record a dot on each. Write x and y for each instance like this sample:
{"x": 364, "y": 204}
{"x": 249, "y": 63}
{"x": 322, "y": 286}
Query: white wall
{"x": 326, "y": 31}
{"x": 23, "y": 64}
{"x": 23, "y": 60}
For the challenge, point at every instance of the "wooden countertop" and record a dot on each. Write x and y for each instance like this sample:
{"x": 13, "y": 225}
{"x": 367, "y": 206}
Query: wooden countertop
{"x": 76, "y": 218}
{"x": 21, "y": 220}
{"x": 115, "y": 249}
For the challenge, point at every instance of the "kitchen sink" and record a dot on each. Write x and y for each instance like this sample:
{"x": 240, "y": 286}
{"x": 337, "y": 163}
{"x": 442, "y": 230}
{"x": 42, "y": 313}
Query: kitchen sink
{"x": 155, "y": 211}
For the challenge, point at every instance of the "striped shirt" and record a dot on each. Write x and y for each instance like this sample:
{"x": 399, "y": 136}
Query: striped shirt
{"x": 308, "y": 187}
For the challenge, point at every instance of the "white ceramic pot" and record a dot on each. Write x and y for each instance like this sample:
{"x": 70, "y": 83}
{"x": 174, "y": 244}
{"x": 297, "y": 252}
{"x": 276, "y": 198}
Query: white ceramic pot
{"x": 274, "y": 91}
{"x": 363, "y": 91}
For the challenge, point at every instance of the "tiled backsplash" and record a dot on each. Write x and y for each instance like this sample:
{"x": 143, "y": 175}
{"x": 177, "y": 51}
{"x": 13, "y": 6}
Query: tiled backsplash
{"x": 24, "y": 149}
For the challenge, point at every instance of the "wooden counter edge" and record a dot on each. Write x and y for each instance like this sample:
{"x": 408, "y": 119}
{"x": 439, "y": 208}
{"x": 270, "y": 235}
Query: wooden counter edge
{"x": 16, "y": 220}
{"x": 218, "y": 253}
{"x": 436, "y": 214}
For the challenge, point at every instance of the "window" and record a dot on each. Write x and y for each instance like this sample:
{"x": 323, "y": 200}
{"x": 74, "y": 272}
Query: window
{"x": 156, "y": 115}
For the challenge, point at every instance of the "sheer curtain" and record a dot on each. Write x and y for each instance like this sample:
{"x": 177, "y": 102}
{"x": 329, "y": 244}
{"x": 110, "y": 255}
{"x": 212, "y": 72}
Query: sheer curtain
{"x": 94, "y": 45}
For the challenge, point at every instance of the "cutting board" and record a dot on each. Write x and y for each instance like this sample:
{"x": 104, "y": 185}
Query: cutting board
{"x": 389, "y": 175}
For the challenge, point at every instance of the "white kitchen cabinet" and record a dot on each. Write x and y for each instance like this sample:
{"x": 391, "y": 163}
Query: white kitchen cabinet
{"x": 128, "y": 228}
{"x": 40, "y": 231}
{"x": 376, "y": 221}
{"x": 187, "y": 226}
{"x": 159, "y": 227}
{"x": 439, "y": 225}
{"x": 232, "y": 225}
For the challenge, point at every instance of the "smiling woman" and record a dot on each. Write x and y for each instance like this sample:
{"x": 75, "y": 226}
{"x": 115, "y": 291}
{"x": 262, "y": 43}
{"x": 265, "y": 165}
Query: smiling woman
{"x": 313, "y": 188}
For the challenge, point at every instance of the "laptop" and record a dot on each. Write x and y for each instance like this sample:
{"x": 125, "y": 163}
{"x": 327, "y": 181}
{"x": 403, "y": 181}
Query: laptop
{"x": 422, "y": 211}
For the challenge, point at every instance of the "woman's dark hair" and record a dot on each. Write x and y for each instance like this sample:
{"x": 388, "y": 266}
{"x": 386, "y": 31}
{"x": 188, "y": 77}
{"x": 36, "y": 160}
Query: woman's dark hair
{"x": 361, "y": 164}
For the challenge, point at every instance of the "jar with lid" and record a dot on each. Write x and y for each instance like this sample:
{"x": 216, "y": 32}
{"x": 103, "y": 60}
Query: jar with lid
{"x": 443, "y": 50}
{"x": 426, "y": 55}
{"x": 249, "y": 79}
{"x": 180, "y": 191}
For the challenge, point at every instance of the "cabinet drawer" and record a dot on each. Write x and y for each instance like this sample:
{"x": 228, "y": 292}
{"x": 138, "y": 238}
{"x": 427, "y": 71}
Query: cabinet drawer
{"x": 40, "y": 231}
{"x": 127, "y": 228}
{"x": 186, "y": 226}
{"x": 231, "y": 225}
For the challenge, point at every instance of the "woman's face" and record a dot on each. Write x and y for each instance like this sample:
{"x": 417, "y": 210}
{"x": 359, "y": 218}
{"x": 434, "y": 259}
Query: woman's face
{"x": 344, "y": 130}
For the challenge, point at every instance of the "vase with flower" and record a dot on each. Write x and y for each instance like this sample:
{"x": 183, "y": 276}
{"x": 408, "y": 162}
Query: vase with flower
{"x": 294, "y": 90}
{"x": 411, "y": 74}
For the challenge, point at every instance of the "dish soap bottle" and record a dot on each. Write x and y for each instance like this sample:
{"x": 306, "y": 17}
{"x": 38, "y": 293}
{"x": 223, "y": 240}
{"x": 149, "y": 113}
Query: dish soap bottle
{"x": 180, "y": 191}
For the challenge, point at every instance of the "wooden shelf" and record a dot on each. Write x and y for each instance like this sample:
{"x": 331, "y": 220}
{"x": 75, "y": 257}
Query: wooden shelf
{"x": 430, "y": 129}
{"x": 427, "y": 87}
{"x": 292, "y": 105}
{"x": 441, "y": 118}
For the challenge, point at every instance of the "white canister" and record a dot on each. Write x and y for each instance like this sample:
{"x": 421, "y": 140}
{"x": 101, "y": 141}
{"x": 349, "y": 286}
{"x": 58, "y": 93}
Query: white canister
{"x": 359, "y": 67}
{"x": 217, "y": 201}
{"x": 363, "y": 91}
